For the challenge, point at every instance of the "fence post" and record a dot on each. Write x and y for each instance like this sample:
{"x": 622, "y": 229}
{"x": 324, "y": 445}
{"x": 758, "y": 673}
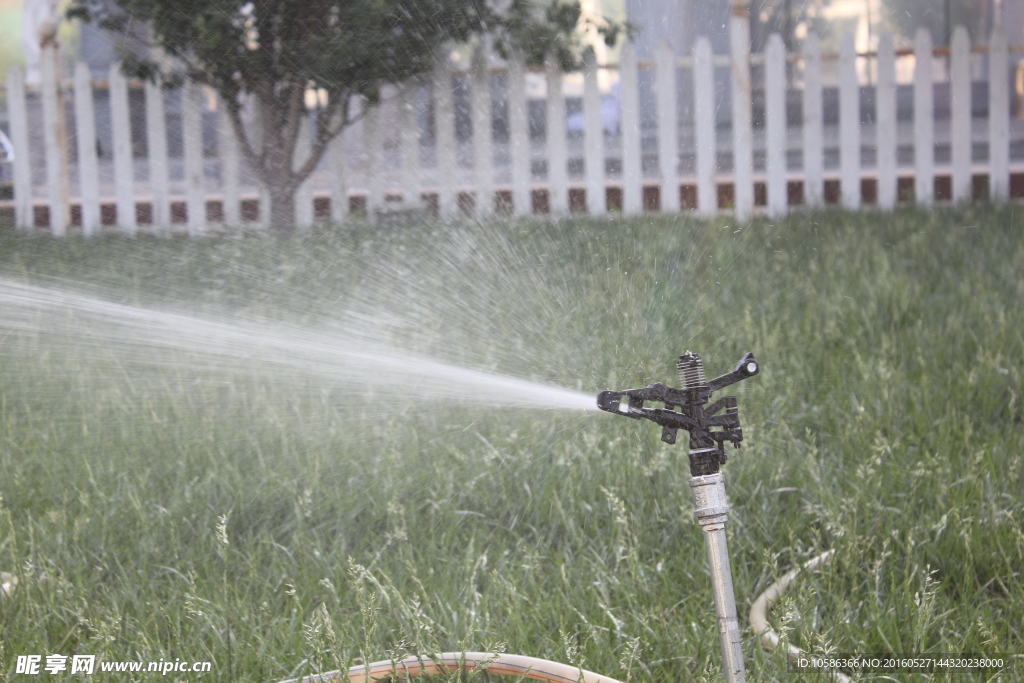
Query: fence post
{"x": 813, "y": 161}
{"x": 668, "y": 126}
{"x": 960, "y": 116}
{"x": 192, "y": 141}
{"x": 558, "y": 174}
{"x": 849, "y": 124}
{"x": 885, "y": 122}
{"x": 593, "y": 138}
{"x": 24, "y": 218}
{"x": 228, "y": 150}
{"x": 998, "y": 117}
{"x": 124, "y": 174}
{"x": 775, "y": 124}
{"x": 704, "y": 127}
{"x": 444, "y": 135}
{"x": 519, "y": 137}
{"x": 88, "y": 165}
{"x": 156, "y": 143}
{"x": 483, "y": 135}
{"x": 924, "y": 120}
{"x": 629, "y": 107}
{"x": 56, "y": 144}
{"x": 742, "y": 130}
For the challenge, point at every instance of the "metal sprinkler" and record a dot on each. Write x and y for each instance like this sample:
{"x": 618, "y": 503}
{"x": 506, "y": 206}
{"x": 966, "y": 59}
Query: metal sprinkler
{"x": 684, "y": 409}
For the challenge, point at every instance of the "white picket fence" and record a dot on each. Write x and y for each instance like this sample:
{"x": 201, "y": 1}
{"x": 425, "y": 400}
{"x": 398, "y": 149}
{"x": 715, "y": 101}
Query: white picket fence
{"x": 716, "y": 144}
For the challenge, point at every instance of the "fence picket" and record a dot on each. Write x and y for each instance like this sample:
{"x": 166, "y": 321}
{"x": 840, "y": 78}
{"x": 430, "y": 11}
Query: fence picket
{"x": 998, "y": 116}
{"x": 372, "y": 148}
{"x": 813, "y": 153}
{"x": 924, "y": 121}
{"x": 17, "y": 113}
{"x": 124, "y": 175}
{"x": 444, "y": 138}
{"x": 304, "y": 192}
{"x": 409, "y": 146}
{"x": 352, "y": 157}
{"x": 668, "y": 126}
{"x": 156, "y": 143}
{"x": 558, "y": 178}
{"x": 742, "y": 123}
{"x": 629, "y": 106}
{"x": 960, "y": 116}
{"x": 885, "y": 127}
{"x": 849, "y": 124}
{"x": 704, "y": 124}
{"x": 192, "y": 142}
{"x": 56, "y": 145}
{"x": 483, "y": 134}
{"x": 88, "y": 164}
{"x": 337, "y": 173}
{"x": 519, "y": 137}
{"x": 775, "y": 124}
{"x": 253, "y": 112}
{"x": 593, "y": 138}
{"x": 229, "y": 153}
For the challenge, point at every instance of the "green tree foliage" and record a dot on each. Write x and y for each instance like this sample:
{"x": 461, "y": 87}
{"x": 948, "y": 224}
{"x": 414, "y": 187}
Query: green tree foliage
{"x": 278, "y": 49}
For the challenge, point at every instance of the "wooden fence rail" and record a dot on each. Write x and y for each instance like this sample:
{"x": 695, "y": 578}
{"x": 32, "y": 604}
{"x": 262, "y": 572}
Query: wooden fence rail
{"x": 739, "y": 133}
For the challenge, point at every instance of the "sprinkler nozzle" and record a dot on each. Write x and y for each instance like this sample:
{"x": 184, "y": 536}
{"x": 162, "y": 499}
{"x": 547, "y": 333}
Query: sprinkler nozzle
{"x": 684, "y": 409}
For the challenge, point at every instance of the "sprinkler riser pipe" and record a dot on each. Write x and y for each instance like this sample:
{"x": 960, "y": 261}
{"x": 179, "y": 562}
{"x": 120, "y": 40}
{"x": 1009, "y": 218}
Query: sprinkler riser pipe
{"x": 712, "y": 510}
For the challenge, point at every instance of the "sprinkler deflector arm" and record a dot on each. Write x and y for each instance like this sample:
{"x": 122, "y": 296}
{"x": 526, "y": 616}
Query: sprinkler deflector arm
{"x": 684, "y": 409}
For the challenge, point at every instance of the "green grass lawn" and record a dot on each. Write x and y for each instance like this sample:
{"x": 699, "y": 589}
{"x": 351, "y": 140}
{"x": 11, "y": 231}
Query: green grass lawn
{"x": 160, "y": 504}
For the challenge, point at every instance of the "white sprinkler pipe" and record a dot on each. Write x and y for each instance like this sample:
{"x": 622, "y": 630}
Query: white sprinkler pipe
{"x": 712, "y": 510}
{"x": 497, "y": 664}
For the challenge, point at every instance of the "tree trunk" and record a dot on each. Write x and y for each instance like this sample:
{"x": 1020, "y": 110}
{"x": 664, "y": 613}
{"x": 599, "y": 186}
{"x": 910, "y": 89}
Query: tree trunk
{"x": 282, "y": 208}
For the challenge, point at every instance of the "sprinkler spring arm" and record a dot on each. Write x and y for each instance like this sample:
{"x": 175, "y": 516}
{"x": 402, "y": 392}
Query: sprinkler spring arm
{"x": 706, "y": 457}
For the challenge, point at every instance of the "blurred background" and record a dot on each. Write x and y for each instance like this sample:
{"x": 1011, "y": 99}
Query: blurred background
{"x": 681, "y": 21}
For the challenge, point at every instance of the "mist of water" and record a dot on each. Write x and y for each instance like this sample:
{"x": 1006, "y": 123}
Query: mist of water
{"x": 150, "y": 336}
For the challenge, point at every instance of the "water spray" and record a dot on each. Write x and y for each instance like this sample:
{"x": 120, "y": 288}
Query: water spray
{"x": 709, "y": 430}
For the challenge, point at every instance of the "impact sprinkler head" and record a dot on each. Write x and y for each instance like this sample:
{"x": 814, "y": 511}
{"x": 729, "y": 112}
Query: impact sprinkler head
{"x": 684, "y": 409}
